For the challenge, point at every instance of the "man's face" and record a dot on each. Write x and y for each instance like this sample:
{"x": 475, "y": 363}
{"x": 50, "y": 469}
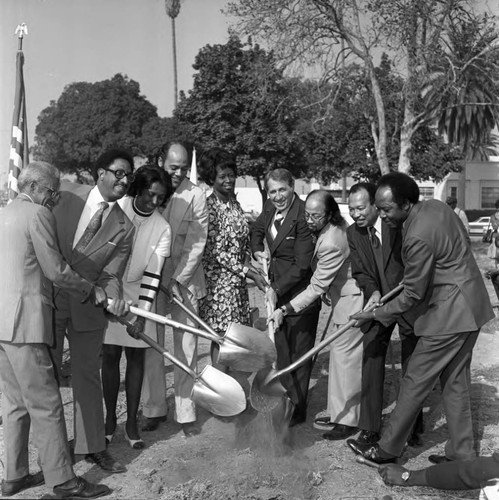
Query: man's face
{"x": 280, "y": 193}
{"x": 177, "y": 164}
{"x": 362, "y": 211}
{"x": 391, "y": 213}
{"x": 111, "y": 188}
{"x": 315, "y": 214}
{"x": 47, "y": 193}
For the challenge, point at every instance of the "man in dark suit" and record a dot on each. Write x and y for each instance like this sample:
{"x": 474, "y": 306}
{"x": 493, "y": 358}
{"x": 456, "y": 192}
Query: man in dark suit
{"x": 444, "y": 290}
{"x": 95, "y": 237}
{"x": 375, "y": 251}
{"x": 282, "y": 226}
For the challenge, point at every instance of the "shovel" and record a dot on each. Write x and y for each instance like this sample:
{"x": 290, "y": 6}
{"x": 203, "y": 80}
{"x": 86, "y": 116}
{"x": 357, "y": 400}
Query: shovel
{"x": 266, "y": 385}
{"x": 242, "y": 347}
{"x": 214, "y": 390}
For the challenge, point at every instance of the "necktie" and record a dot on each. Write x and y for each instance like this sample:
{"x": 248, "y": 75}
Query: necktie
{"x": 277, "y": 224}
{"x": 92, "y": 228}
{"x": 373, "y": 238}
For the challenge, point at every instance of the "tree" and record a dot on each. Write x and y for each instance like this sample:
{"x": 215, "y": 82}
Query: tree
{"x": 89, "y": 118}
{"x": 311, "y": 31}
{"x": 239, "y": 102}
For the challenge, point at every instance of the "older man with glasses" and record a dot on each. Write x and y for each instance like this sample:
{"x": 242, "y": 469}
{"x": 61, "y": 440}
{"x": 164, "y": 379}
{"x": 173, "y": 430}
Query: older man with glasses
{"x": 95, "y": 237}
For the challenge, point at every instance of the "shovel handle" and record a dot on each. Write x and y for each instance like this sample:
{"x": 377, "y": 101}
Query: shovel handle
{"x": 152, "y": 343}
{"x": 190, "y": 313}
{"x": 270, "y": 309}
{"x": 328, "y": 340}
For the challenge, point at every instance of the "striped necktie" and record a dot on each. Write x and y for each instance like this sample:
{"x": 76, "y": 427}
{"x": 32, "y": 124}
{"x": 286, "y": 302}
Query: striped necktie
{"x": 277, "y": 224}
{"x": 92, "y": 228}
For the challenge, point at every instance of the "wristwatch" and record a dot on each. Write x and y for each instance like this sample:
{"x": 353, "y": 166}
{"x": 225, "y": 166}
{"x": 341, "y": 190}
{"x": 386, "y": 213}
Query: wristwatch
{"x": 406, "y": 475}
{"x": 283, "y": 310}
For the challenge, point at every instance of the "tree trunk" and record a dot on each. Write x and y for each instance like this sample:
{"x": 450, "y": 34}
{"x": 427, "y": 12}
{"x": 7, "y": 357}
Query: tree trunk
{"x": 406, "y": 133}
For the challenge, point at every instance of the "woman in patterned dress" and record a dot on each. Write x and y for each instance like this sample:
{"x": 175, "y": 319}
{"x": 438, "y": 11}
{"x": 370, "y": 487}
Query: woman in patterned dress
{"x": 149, "y": 190}
{"x": 226, "y": 259}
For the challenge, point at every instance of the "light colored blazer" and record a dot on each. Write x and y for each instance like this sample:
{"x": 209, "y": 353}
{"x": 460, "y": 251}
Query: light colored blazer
{"x": 104, "y": 259}
{"x": 332, "y": 274}
{"x": 187, "y": 214}
{"x": 442, "y": 282}
{"x": 31, "y": 261}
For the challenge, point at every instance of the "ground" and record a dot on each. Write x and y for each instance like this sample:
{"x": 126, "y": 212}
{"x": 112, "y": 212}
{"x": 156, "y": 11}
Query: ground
{"x": 250, "y": 464}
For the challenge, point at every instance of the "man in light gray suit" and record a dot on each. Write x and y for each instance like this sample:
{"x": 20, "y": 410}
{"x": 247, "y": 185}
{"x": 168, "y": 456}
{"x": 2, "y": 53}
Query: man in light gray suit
{"x": 31, "y": 262}
{"x": 183, "y": 277}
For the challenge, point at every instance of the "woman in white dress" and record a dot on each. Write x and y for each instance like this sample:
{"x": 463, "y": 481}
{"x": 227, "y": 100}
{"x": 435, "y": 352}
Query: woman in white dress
{"x": 149, "y": 190}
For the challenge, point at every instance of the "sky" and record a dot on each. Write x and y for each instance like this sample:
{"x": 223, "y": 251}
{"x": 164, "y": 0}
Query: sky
{"x": 92, "y": 40}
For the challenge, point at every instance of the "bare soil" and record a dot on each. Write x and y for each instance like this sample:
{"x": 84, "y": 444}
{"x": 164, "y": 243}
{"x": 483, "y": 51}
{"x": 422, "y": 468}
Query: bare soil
{"x": 246, "y": 458}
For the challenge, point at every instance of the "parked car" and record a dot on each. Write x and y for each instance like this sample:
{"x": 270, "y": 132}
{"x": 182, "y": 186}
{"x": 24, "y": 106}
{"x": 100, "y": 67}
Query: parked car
{"x": 479, "y": 226}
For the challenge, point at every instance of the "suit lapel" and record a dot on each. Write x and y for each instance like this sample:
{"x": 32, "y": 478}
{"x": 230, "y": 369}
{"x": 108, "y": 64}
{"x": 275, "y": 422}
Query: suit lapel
{"x": 287, "y": 223}
{"x": 177, "y": 207}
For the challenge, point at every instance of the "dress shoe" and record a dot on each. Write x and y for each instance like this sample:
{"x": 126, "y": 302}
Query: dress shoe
{"x": 439, "y": 459}
{"x": 415, "y": 440}
{"x": 371, "y": 451}
{"x": 323, "y": 423}
{"x": 191, "y": 429}
{"x": 368, "y": 437}
{"x": 80, "y": 488}
{"x": 152, "y": 423}
{"x": 340, "y": 431}
{"x": 10, "y": 488}
{"x": 297, "y": 419}
{"x": 136, "y": 444}
{"x": 105, "y": 461}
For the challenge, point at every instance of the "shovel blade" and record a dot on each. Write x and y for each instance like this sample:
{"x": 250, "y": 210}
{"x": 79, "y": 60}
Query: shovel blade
{"x": 218, "y": 393}
{"x": 265, "y": 396}
{"x": 245, "y": 348}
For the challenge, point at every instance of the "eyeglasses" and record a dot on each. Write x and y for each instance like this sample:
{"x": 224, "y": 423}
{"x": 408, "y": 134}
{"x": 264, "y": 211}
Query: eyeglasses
{"x": 52, "y": 192}
{"x": 120, "y": 173}
{"x": 314, "y": 217}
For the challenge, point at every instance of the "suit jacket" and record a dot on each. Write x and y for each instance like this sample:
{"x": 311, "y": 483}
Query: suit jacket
{"x": 104, "y": 259}
{"x": 330, "y": 264}
{"x": 442, "y": 283}
{"x": 290, "y": 253}
{"x": 187, "y": 215}
{"x": 31, "y": 261}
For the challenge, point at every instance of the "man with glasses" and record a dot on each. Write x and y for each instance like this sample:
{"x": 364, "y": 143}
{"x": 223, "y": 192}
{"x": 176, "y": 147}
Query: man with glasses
{"x": 182, "y": 277}
{"x": 282, "y": 228}
{"x": 95, "y": 237}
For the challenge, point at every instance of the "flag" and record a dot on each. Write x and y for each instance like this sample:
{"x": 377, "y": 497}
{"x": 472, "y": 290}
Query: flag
{"x": 194, "y": 168}
{"x": 19, "y": 156}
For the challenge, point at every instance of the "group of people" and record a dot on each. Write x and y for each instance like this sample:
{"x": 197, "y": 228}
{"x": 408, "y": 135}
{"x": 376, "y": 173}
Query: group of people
{"x": 78, "y": 256}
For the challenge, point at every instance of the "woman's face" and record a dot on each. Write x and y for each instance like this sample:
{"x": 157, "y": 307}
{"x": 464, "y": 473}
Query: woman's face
{"x": 225, "y": 182}
{"x": 151, "y": 197}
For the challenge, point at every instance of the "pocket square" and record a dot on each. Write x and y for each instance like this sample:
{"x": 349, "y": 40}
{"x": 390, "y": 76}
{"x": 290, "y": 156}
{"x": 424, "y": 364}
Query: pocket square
{"x": 290, "y": 238}
{"x": 111, "y": 243}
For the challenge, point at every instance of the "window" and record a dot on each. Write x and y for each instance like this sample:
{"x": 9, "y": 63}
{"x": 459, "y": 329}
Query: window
{"x": 426, "y": 193}
{"x": 453, "y": 191}
{"x": 489, "y": 196}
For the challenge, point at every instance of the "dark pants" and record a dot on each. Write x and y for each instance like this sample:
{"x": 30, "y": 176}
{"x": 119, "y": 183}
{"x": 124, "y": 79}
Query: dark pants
{"x": 376, "y": 342}
{"x": 294, "y": 338}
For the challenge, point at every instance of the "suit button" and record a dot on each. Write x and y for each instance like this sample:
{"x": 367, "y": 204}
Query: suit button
{"x": 274, "y": 259}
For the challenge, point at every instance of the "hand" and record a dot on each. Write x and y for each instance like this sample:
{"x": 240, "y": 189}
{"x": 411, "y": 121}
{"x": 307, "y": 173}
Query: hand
{"x": 326, "y": 299}
{"x": 271, "y": 297}
{"x": 261, "y": 257}
{"x": 392, "y": 474}
{"x": 119, "y": 307}
{"x": 175, "y": 290}
{"x": 134, "y": 329}
{"x": 374, "y": 299}
{"x": 277, "y": 318}
{"x": 258, "y": 278}
{"x": 362, "y": 317}
{"x": 97, "y": 296}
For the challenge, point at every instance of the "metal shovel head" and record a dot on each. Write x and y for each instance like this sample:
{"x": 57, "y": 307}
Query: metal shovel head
{"x": 265, "y": 396}
{"x": 218, "y": 393}
{"x": 245, "y": 348}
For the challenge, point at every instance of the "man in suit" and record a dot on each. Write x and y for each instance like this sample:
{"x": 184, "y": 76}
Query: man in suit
{"x": 31, "y": 262}
{"x": 183, "y": 277}
{"x": 332, "y": 277}
{"x": 282, "y": 226}
{"x": 444, "y": 290}
{"x": 375, "y": 251}
{"x": 95, "y": 238}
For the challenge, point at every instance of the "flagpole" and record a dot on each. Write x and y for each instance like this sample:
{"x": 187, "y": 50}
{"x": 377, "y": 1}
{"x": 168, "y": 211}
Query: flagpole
{"x": 19, "y": 149}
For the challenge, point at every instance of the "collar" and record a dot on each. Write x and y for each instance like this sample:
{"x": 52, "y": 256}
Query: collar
{"x": 95, "y": 197}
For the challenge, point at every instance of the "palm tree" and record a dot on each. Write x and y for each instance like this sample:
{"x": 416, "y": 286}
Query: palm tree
{"x": 172, "y": 9}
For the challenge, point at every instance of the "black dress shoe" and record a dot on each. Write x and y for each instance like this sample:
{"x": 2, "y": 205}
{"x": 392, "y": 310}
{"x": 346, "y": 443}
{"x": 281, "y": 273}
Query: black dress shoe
{"x": 151, "y": 424}
{"x": 439, "y": 459}
{"x": 368, "y": 437}
{"x": 415, "y": 440}
{"x": 10, "y": 488}
{"x": 80, "y": 488}
{"x": 105, "y": 461}
{"x": 340, "y": 431}
{"x": 323, "y": 423}
{"x": 191, "y": 429}
{"x": 371, "y": 451}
